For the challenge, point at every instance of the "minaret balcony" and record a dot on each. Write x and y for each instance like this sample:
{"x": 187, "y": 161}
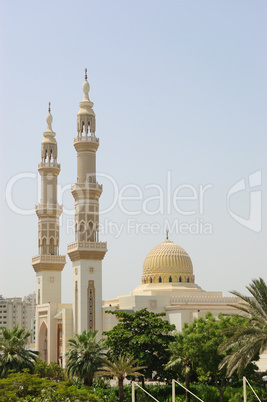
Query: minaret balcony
{"x": 86, "y": 138}
{"x": 87, "y": 250}
{"x": 86, "y": 143}
{"x": 48, "y": 262}
{"x": 49, "y": 167}
{"x": 49, "y": 164}
{"x": 86, "y": 190}
{"x": 48, "y": 210}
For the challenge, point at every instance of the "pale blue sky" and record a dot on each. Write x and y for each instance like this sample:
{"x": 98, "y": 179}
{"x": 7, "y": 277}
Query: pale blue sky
{"x": 178, "y": 86}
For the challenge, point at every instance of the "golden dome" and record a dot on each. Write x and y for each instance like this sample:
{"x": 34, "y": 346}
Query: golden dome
{"x": 167, "y": 262}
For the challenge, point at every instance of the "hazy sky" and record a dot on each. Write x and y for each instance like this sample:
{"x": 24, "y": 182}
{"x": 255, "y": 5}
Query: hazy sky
{"x": 179, "y": 89}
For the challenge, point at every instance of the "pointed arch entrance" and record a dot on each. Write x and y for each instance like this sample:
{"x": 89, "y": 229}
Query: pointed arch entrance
{"x": 43, "y": 342}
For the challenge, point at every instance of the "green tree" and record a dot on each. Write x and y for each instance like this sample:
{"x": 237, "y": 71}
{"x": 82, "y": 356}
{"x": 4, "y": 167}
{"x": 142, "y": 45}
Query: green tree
{"x": 198, "y": 345}
{"x": 85, "y": 356}
{"x": 121, "y": 367}
{"x": 144, "y": 335}
{"x": 13, "y": 353}
{"x": 52, "y": 371}
{"x": 245, "y": 343}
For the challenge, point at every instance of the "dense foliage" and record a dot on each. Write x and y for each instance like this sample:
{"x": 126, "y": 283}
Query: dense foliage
{"x": 146, "y": 336}
{"x": 196, "y": 350}
{"x": 30, "y": 387}
{"x": 210, "y": 355}
{"x": 52, "y": 371}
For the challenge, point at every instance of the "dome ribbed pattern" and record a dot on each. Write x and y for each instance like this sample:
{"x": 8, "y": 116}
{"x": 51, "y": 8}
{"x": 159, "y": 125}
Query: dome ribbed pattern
{"x": 167, "y": 262}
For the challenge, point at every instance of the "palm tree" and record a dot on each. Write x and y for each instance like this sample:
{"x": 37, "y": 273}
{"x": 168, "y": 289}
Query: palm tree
{"x": 13, "y": 355}
{"x": 85, "y": 356}
{"x": 120, "y": 368}
{"x": 247, "y": 342}
{"x": 181, "y": 360}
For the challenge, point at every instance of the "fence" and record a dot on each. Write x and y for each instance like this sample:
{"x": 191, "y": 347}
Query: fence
{"x": 245, "y": 382}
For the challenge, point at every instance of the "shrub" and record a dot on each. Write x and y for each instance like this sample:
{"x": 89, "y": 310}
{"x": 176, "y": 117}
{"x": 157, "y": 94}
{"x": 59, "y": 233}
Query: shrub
{"x": 30, "y": 387}
{"x": 52, "y": 371}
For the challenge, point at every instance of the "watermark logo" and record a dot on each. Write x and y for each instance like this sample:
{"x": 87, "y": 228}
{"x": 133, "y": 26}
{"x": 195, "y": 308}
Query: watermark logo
{"x": 183, "y": 205}
{"x": 253, "y": 222}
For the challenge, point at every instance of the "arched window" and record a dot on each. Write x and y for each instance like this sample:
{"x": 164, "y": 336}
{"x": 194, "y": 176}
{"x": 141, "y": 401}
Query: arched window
{"x": 160, "y": 280}
{"x": 51, "y": 246}
{"x": 43, "y": 342}
{"x": 76, "y": 231}
{"x": 91, "y": 236}
{"x": 151, "y": 280}
{"x": 82, "y": 231}
{"x": 44, "y": 245}
{"x": 180, "y": 279}
{"x": 144, "y": 281}
{"x": 187, "y": 280}
{"x": 170, "y": 279}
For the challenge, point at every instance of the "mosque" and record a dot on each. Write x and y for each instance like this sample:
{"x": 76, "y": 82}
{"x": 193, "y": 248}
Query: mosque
{"x": 167, "y": 284}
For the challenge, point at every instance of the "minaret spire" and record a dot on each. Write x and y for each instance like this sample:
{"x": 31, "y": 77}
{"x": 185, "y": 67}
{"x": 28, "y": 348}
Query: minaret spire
{"x": 48, "y": 264}
{"x": 87, "y": 252}
{"x": 48, "y": 212}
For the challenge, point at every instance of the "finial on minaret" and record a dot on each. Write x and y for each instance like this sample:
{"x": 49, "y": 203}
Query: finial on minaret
{"x": 167, "y": 234}
{"x": 49, "y": 118}
{"x": 86, "y": 88}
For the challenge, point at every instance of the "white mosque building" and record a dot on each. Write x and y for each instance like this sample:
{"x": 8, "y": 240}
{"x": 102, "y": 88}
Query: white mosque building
{"x": 168, "y": 282}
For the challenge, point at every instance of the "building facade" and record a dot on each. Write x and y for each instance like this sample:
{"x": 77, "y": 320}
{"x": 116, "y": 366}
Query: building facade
{"x": 17, "y": 311}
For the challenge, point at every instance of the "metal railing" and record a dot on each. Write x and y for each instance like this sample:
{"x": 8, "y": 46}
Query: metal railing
{"x": 245, "y": 382}
{"x": 133, "y": 391}
{"x": 173, "y": 391}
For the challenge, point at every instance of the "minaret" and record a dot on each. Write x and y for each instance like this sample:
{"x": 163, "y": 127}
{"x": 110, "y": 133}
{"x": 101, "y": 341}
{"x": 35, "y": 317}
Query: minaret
{"x": 48, "y": 264}
{"x": 87, "y": 252}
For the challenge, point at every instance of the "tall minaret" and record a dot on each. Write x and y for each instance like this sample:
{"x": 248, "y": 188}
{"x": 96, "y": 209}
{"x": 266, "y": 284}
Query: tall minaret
{"x": 48, "y": 264}
{"x": 87, "y": 252}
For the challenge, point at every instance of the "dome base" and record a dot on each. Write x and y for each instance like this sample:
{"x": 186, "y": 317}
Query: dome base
{"x": 171, "y": 287}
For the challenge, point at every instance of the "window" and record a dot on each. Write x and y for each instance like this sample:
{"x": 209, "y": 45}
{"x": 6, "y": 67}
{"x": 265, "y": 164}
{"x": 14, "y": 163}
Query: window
{"x": 170, "y": 279}
{"x": 160, "y": 280}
